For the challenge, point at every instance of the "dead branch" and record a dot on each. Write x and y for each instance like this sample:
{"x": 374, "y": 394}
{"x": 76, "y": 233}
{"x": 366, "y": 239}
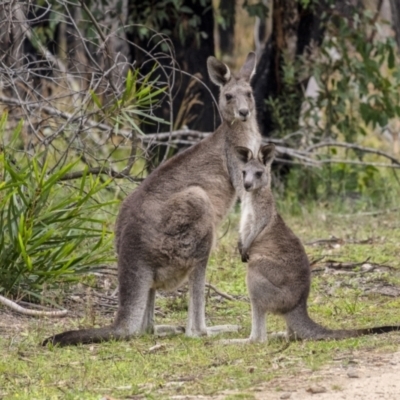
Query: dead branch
{"x": 35, "y": 313}
{"x": 354, "y": 162}
{"x": 353, "y": 147}
{"x": 222, "y": 294}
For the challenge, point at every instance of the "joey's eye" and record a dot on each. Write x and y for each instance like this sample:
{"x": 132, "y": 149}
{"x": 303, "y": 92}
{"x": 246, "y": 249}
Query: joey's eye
{"x": 258, "y": 174}
{"x": 248, "y": 94}
{"x": 228, "y": 97}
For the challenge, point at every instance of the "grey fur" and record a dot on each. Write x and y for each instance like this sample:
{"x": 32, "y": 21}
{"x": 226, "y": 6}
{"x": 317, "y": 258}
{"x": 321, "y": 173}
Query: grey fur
{"x": 278, "y": 273}
{"x": 166, "y": 228}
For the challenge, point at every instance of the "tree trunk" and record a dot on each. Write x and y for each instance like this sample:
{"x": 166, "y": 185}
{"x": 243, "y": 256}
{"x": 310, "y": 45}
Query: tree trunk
{"x": 293, "y": 30}
{"x": 227, "y": 29}
{"x": 395, "y": 6}
{"x": 192, "y": 103}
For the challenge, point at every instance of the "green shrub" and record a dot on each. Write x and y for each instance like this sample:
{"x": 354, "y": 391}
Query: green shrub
{"x": 51, "y": 231}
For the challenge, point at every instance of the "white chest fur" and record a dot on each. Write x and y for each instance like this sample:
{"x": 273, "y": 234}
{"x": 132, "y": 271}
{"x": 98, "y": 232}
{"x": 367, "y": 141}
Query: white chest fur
{"x": 247, "y": 220}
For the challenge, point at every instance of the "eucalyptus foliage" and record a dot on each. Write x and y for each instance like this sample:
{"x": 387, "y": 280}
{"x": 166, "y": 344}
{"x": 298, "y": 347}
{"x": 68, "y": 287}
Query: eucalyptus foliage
{"x": 51, "y": 231}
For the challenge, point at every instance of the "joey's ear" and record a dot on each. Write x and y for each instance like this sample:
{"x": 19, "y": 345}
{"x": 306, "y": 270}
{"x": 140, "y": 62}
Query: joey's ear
{"x": 218, "y": 71}
{"x": 267, "y": 153}
{"x": 244, "y": 154}
{"x": 249, "y": 67}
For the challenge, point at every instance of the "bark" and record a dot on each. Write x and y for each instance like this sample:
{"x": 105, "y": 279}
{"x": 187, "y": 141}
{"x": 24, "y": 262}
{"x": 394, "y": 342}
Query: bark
{"x": 294, "y": 29}
{"x": 395, "y": 6}
{"x": 192, "y": 103}
{"x": 227, "y": 32}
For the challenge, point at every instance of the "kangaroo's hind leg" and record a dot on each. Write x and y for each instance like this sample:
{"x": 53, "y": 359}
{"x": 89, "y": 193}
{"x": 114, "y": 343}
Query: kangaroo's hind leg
{"x": 148, "y": 320}
{"x": 136, "y": 302}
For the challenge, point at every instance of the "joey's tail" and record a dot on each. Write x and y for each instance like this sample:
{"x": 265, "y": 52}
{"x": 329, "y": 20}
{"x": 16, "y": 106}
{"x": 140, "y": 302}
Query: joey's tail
{"x": 301, "y": 326}
{"x": 85, "y": 336}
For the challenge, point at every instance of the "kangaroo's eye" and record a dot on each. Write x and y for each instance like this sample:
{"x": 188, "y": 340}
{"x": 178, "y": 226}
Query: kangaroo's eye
{"x": 248, "y": 94}
{"x": 258, "y": 174}
{"x": 228, "y": 97}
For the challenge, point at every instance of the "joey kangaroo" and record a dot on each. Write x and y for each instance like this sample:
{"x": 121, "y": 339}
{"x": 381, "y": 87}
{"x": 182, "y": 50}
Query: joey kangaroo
{"x": 278, "y": 272}
{"x": 166, "y": 228}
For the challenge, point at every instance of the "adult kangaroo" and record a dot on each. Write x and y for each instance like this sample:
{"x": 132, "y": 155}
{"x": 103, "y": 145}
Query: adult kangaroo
{"x": 278, "y": 272}
{"x": 166, "y": 228}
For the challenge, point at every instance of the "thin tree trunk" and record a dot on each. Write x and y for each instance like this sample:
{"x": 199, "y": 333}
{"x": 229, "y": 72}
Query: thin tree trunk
{"x": 227, "y": 31}
{"x": 395, "y": 6}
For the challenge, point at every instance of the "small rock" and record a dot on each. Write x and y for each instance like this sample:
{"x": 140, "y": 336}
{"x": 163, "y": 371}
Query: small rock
{"x": 367, "y": 267}
{"x": 352, "y": 373}
{"x": 285, "y": 396}
{"x": 316, "y": 389}
{"x": 156, "y": 347}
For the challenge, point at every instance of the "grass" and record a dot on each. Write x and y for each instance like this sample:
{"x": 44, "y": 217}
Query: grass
{"x": 182, "y": 366}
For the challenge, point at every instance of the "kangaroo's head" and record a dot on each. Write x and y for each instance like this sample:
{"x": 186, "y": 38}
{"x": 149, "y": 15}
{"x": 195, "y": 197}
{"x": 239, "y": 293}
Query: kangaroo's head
{"x": 256, "y": 171}
{"x": 236, "y": 101}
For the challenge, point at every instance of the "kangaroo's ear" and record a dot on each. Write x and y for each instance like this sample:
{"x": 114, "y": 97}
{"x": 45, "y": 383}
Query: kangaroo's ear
{"x": 249, "y": 67}
{"x": 218, "y": 71}
{"x": 267, "y": 153}
{"x": 243, "y": 153}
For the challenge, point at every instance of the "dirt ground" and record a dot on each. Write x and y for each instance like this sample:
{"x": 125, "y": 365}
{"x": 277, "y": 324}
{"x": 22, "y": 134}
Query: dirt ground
{"x": 368, "y": 376}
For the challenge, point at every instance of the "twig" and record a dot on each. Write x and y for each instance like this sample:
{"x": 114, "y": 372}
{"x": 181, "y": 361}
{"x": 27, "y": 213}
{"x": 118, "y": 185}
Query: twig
{"x": 341, "y": 265}
{"x": 222, "y": 294}
{"x": 99, "y": 171}
{"x": 368, "y": 213}
{"x": 36, "y": 313}
{"x": 353, "y": 147}
{"x": 354, "y": 162}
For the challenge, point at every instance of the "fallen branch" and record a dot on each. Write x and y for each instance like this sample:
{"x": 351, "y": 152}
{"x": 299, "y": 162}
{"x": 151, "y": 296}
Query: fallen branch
{"x": 335, "y": 240}
{"x": 222, "y": 294}
{"x": 36, "y": 313}
{"x": 343, "y": 265}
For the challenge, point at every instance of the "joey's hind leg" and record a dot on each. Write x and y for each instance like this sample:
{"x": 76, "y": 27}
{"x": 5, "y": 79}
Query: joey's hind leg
{"x": 258, "y": 323}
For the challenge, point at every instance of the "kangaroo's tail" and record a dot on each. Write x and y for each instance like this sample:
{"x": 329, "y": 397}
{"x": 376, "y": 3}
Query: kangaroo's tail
{"x": 85, "y": 336}
{"x": 301, "y": 326}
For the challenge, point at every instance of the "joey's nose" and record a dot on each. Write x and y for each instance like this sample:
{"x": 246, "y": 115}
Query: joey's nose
{"x": 247, "y": 185}
{"x": 244, "y": 112}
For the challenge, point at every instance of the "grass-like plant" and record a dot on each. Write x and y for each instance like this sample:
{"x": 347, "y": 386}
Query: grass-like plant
{"x": 50, "y": 231}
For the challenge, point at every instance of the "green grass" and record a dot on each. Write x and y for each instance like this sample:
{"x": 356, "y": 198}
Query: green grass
{"x": 204, "y": 366}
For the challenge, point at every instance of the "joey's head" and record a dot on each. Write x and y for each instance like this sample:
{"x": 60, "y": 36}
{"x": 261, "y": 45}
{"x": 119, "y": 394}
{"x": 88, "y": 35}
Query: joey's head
{"x": 236, "y": 101}
{"x": 256, "y": 171}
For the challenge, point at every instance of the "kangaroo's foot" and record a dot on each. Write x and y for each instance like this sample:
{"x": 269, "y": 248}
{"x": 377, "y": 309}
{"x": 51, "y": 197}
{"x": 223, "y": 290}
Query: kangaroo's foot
{"x": 168, "y": 330}
{"x": 217, "y": 329}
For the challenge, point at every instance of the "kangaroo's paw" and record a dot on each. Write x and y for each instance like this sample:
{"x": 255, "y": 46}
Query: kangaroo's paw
{"x": 168, "y": 330}
{"x": 217, "y": 329}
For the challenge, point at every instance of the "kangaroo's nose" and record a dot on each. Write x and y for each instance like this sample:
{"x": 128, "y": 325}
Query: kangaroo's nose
{"x": 244, "y": 112}
{"x": 247, "y": 185}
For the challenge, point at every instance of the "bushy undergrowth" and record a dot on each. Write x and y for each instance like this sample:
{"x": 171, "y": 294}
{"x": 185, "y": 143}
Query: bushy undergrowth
{"x": 343, "y": 186}
{"x": 51, "y": 229}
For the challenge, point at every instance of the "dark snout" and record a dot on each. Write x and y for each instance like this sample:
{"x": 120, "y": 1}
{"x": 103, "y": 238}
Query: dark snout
{"x": 244, "y": 113}
{"x": 247, "y": 186}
